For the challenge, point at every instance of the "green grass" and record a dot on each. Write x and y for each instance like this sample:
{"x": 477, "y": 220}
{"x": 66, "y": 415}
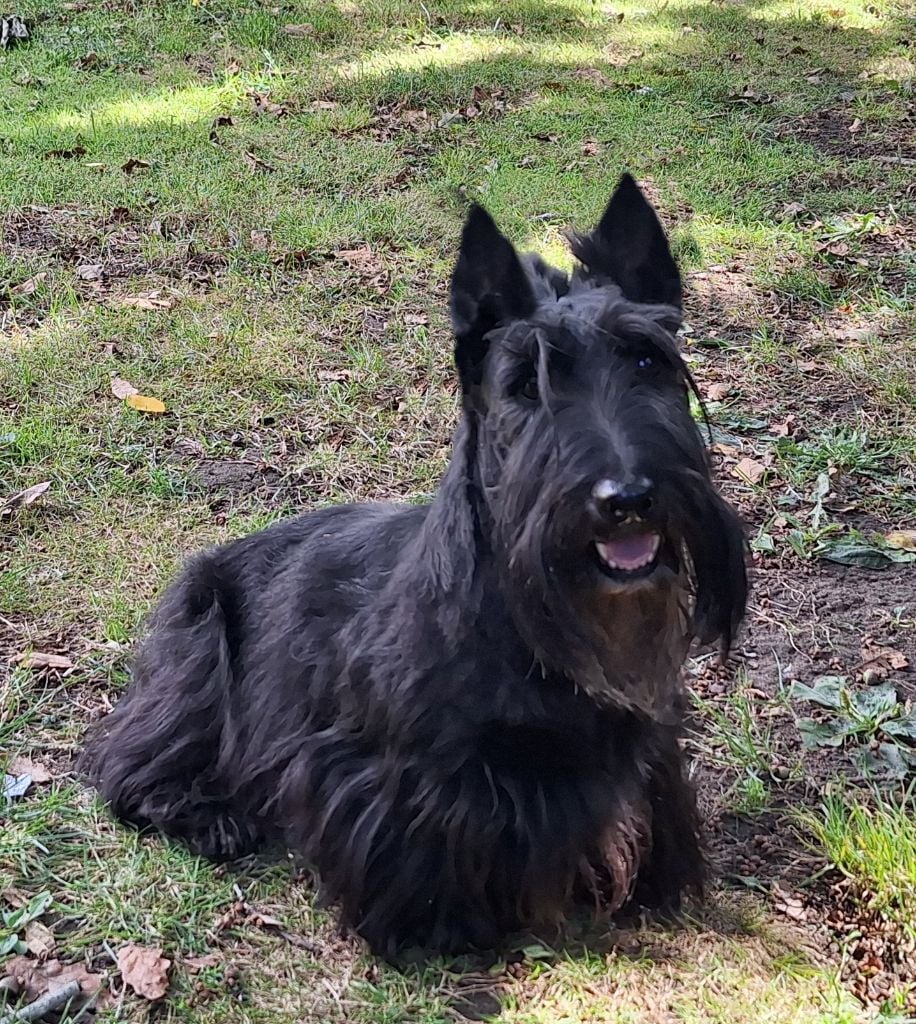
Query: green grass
{"x": 292, "y": 317}
{"x": 874, "y": 846}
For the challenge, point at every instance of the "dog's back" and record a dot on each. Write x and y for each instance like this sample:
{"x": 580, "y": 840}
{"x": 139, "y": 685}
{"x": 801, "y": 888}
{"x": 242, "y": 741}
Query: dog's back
{"x": 171, "y": 754}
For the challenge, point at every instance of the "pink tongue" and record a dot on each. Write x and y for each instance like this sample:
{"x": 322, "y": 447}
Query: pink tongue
{"x": 629, "y": 552}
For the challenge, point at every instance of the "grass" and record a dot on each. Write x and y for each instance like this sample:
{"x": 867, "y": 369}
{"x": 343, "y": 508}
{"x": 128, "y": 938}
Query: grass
{"x": 874, "y": 846}
{"x": 276, "y": 275}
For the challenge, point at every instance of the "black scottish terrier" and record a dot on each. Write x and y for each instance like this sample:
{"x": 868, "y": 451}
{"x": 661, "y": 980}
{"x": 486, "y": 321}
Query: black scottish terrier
{"x": 465, "y": 714}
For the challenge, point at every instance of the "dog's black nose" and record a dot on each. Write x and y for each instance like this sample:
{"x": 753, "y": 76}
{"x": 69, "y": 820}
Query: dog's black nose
{"x": 616, "y": 500}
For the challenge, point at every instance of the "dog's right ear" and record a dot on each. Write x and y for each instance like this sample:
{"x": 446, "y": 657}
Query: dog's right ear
{"x": 629, "y": 247}
{"x": 490, "y": 286}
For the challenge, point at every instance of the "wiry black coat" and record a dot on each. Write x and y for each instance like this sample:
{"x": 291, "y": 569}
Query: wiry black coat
{"x": 434, "y": 705}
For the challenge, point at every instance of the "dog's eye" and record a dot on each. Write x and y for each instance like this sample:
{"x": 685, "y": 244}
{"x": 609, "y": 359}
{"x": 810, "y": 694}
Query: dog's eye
{"x": 529, "y": 389}
{"x": 644, "y": 362}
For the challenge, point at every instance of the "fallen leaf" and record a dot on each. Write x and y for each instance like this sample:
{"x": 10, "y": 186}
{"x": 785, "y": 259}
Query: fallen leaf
{"x": 143, "y": 403}
{"x": 846, "y": 551}
{"x": 15, "y": 786}
{"x": 13, "y": 30}
{"x": 25, "y": 497}
{"x": 264, "y": 105}
{"x": 879, "y": 662}
{"x": 807, "y": 366}
{"x": 786, "y": 428}
{"x": 39, "y": 939}
{"x": 151, "y": 301}
{"x": 298, "y": 30}
{"x": 256, "y": 163}
{"x": 594, "y": 76}
{"x": 717, "y": 392}
{"x": 324, "y": 105}
{"x": 590, "y": 147}
{"x": 904, "y": 540}
{"x": 223, "y": 121}
{"x": 90, "y": 271}
{"x": 29, "y": 286}
{"x": 121, "y": 388}
{"x": 23, "y": 766}
{"x": 37, "y": 979}
{"x": 40, "y": 659}
{"x": 793, "y": 209}
{"x": 145, "y": 970}
{"x": 133, "y": 164}
{"x": 200, "y": 963}
{"x": 749, "y": 470}
{"x": 260, "y": 241}
{"x": 749, "y": 95}
{"x": 66, "y": 154}
{"x": 856, "y": 126}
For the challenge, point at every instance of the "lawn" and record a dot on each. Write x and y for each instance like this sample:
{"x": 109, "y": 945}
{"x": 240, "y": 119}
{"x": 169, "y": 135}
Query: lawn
{"x": 248, "y": 213}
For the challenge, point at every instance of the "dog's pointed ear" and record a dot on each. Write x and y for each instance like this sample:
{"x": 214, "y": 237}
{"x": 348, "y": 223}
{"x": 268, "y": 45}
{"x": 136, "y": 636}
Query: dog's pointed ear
{"x": 629, "y": 246}
{"x": 489, "y": 286}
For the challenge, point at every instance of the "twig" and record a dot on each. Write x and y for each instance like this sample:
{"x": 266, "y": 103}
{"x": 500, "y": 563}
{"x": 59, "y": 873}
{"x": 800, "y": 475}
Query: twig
{"x": 43, "y": 1006}
{"x": 904, "y": 161}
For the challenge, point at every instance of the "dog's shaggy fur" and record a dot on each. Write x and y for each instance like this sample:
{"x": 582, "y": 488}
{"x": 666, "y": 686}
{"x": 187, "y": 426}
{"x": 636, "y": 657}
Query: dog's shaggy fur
{"x": 465, "y": 713}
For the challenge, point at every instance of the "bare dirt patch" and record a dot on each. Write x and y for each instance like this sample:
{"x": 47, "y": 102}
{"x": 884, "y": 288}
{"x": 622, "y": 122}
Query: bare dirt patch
{"x": 839, "y": 132}
{"x": 105, "y": 253}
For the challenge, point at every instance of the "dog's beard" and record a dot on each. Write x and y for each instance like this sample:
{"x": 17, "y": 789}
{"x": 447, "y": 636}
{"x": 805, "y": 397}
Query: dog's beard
{"x": 622, "y": 641}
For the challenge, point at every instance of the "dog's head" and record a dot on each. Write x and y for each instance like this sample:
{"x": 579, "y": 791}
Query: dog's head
{"x": 591, "y": 470}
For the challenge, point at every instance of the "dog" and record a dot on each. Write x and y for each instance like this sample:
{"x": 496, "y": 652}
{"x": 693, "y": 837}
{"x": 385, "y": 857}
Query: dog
{"x": 467, "y": 715}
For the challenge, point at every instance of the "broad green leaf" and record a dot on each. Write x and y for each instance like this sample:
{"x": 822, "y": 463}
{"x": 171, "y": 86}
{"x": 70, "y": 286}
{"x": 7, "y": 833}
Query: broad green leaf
{"x": 868, "y": 556}
{"x": 888, "y": 762}
{"x": 825, "y": 691}
{"x": 877, "y": 702}
{"x": 904, "y": 726}
{"x": 764, "y": 544}
{"x": 831, "y": 733}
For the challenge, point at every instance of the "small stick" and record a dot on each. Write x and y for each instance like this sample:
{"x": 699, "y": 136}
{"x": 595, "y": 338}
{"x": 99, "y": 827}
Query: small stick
{"x": 43, "y": 1006}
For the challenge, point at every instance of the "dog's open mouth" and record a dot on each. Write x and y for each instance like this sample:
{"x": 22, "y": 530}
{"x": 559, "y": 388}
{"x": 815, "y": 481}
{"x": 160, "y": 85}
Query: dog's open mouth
{"x": 629, "y": 555}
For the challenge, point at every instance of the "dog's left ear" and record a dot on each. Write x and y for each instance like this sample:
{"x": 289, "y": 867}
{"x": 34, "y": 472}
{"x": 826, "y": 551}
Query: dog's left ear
{"x": 629, "y": 246}
{"x": 489, "y": 286}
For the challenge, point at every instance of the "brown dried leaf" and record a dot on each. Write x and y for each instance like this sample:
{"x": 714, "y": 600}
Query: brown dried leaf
{"x": 256, "y": 163}
{"x": 90, "y": 271}
{"x": 23, "y": 766}
{"x": 151, "y": 300}
{"x": 133, "y": 164}
{"x": 787, "y": 427}
{"x": 37, "y": 979}
{"x": 879, "y": 661}
{"x": 264, "y": 105}
{"x": 38, "y": 937}
{"x": 40, "y": 659}
{"x": 749, "y": 470}
{"x": 145, "y": 969}
{"x": 25, "y": 497}
{"x": 201, "y": 963}
{"x": 717, "y": 392}
{"x": 299, "y": 30}
{"x": 66, "y": 154}
{"x": 590, "y": 147}
{"x": 903, "y": 540}
{"x": 29, "y": 286}
{"x": 594, "y": 76}
{"x": 260, "y": 241}
{"x": 121, "y": 388}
